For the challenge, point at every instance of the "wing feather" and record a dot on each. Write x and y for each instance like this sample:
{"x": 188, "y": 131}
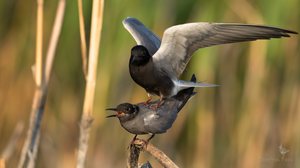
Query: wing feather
{"x": 142, "y": 35}
{"x": 181, "y": 41}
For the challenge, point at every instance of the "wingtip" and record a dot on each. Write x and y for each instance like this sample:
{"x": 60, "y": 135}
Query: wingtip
{"x": 193, "y": 79}
{"x": 129, "y": 21}
{"x": 291, "y": 32}
{"x": 125, "y": 21}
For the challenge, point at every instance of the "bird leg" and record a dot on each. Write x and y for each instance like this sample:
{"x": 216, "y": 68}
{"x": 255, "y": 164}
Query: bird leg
{"x": 146, "y": 103}
{"x": 133, "y": 139}
{"x": 158, "y": 104}
{"x": 140, "y": 145}
{"x": 152, "y": 136}
{"x": 145, "y": 142}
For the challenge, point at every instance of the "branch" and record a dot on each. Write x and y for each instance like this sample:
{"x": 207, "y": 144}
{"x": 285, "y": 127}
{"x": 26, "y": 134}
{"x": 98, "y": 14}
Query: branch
{"x": 56, "y": 30}
{"x": 31, "y": 144}
{"x": 139, "y": 145}
{"x": 87, "y": 119}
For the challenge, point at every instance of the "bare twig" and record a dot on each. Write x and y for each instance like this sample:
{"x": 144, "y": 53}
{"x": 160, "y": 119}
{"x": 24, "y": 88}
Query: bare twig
{"x": 161, "y": 157}
{"x": 27, "y": 157}
{"x": 86, "y": 119}
{"x": 32, "y": 155}
{"x": 56, "y": 30}
{"x": 31, "y": 144}
{"x": 82, "y": 38}
{"x": 28, "y": 152}
{"x": 9, "y": 149}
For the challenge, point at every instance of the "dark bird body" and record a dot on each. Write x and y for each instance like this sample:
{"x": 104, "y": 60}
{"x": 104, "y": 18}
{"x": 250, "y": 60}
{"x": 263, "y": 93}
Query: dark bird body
{"x": 143, "y": 72}
{"x": 157, "y": 65}
{"x": 142, "y": 119}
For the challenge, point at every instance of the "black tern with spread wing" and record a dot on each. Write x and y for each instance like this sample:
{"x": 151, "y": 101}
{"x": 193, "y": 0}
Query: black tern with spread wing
{"x": 142, "y": 119}
{"x": 157, "y": 66}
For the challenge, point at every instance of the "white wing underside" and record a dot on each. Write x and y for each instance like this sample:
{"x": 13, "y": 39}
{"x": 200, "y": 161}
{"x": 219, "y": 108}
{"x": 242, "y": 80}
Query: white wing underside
{"x": 181, "y": 41}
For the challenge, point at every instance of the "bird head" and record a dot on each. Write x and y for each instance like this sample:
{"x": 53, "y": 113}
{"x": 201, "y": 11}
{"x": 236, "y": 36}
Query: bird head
{"x": 139, "y": 55}
{"x": 124, "y": 111}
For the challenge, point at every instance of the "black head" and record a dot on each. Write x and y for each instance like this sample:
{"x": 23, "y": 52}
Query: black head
{"x": 139, "y": 55}
{"x": 125, "y": 111}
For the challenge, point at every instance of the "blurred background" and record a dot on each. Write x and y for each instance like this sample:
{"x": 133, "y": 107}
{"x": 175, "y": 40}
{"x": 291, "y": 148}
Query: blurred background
{"x": 249, "y": 121}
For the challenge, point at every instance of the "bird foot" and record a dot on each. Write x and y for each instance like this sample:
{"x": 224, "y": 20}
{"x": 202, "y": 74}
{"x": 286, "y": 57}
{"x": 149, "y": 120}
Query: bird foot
{"x": 138, "y": 143}
{"x": 146, "y": 103}
{"x": 141, "y": 143}
{"x": 157, "y": 105}
{"x": 146, "y": 142}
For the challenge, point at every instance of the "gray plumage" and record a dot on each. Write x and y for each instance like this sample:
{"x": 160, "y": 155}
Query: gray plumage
{"x": 142, "y": 35}
{"x": 179, "y": 42}
{"x": 142, "y": 119}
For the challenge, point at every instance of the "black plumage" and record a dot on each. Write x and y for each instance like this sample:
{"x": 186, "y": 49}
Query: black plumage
{"x": 157, "y": 65}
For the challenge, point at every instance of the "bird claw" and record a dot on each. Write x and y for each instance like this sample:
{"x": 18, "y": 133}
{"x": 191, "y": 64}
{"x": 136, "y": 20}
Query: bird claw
{"x": 141, "y": 143}
{"x": 146, "y": 103}
{"x": 157, "y": 105}
{"x": 138, "y": 143}
{"x": 145, "y": 143}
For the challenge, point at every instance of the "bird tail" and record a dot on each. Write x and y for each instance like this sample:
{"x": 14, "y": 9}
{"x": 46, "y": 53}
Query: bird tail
{"x": 187, "y": 84}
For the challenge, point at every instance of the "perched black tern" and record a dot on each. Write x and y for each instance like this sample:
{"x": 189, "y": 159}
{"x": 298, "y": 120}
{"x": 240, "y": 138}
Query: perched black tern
{"x": 142, "y": 119}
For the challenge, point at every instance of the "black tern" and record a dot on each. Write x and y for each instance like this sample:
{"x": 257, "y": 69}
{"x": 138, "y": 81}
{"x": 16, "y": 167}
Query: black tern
{"x": 157, "y": 65}
{"x": 142, "y": 119}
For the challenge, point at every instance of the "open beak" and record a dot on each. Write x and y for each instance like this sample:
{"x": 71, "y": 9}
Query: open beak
{"x": 119, "y": 113}
{"x": 111, "y": 109}
{"x": 109, "y": 116}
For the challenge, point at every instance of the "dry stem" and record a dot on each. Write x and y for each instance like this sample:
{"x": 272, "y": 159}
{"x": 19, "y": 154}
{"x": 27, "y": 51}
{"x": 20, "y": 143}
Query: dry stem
{"x": 39, "y": 43}
{"x": 139, "y": 145}
{"x": 31, "y": 144}
{"x": 82, "y": 38}
{"x": 86, "y": 119}
{"x": 56, "y": 30}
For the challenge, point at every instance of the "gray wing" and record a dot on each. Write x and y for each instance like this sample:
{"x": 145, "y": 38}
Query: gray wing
{"x": 179, "y": 42}
{"x": 142, "y": 35}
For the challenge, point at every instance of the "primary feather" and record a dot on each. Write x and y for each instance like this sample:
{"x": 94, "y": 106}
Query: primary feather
{"x": 181, "y": 41}
{"x": 167, "y": 59}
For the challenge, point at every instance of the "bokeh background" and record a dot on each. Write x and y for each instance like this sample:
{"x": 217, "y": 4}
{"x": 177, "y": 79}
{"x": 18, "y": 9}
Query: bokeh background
{"x": 246, "y": 122}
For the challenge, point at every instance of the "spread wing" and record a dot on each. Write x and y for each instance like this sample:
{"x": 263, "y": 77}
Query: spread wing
{"x": 179, "y": 42}
{"x": 142, "y": 35}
